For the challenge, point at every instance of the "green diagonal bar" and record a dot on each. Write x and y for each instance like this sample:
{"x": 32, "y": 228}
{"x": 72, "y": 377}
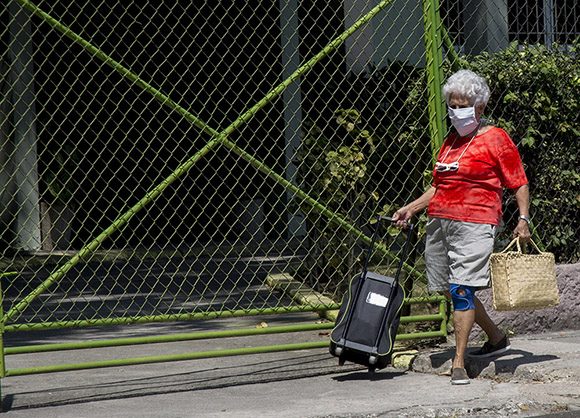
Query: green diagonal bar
{"x": 246, "y": 116}
{"x": 454, "y": 58}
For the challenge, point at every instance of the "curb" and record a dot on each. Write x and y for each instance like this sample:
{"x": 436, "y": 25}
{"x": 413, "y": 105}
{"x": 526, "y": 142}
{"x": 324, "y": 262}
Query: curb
{"x": 403, "y": 360}
{"x": 301, "y": 293}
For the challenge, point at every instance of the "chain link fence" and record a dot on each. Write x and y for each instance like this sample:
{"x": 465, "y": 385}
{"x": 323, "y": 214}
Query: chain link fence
{"x": 174, "y": 161}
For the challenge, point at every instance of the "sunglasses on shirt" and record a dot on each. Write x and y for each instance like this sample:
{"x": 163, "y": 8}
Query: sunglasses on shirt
{"x": 443, "y": 167}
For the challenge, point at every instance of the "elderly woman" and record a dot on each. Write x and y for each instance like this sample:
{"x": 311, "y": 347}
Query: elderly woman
{"x": 464, "y": 206}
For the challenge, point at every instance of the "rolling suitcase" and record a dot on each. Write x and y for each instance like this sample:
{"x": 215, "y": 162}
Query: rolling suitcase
{"x": 369, "y": 316}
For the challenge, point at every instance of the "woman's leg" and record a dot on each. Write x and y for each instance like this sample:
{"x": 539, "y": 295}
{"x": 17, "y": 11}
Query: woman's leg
{"x": 482, "y": 319}
{"x": 463, "y": 323}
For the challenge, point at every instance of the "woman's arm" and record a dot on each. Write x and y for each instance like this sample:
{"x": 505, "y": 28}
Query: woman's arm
{"x": 522, "y": 229}
{"x": 417, "y": 205}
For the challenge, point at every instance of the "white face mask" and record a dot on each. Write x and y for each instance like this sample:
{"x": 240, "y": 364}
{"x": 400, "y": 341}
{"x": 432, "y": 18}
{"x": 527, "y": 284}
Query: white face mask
{"x": 464, "y": 120}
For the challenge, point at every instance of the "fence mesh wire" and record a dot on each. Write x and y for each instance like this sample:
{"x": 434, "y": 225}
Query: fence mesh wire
{"x": 84, "y": 141}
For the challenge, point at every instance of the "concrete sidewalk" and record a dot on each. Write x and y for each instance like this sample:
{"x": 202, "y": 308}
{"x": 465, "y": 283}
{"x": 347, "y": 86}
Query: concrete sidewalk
{"x": 541, "y": 375}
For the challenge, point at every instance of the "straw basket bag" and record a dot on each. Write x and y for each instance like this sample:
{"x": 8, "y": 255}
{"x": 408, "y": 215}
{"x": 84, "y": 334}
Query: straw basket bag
{"x": 523, "y": 281}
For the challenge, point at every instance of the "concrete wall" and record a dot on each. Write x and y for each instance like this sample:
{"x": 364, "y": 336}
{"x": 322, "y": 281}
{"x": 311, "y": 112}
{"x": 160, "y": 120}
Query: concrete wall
{"x": 396, "y": 33}
{"x": 564, "y": 316}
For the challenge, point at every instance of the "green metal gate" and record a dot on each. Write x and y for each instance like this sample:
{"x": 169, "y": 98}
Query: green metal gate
{"x": 184, "y": 163}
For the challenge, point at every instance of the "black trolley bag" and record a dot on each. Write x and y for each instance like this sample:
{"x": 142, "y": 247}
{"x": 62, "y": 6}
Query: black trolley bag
{"x": 369, "y": 316}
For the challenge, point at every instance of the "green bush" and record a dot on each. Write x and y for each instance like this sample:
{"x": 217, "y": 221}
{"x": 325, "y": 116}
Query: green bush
{"x": 536, "y": 99}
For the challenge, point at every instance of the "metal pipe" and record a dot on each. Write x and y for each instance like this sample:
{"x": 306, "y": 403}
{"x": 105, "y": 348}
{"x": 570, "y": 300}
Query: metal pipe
{"x": 421, "y": 318}
{"x": 444, "y": 313}
{"x": 2, "y": 351}
{"x": 125, "y": 72}
{"x": 333, "y": 217}
{"x": 548, "y": 12}
{"x": 419, "y": 335}
{"x": 452, "y": 55}
{"x": 425, "y": 299}
{"x": 191, "y": 336}
{"x": 441, "y": 112}
{"x": 188, "y": 317}
{"x": 304, "y": 68}
{"x": 164, "y": 318}
{"x": 165, "y": 358}
{"x": 8, "y": 273}
{"x": 246, "y": 116}
{"x": 193, "y": 356}
{"x": 434, "y": 61}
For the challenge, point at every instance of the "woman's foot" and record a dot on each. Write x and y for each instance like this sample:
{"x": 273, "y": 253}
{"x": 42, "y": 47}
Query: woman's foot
{"x": 491, "y": 350}
{"x": 459, "y": 376}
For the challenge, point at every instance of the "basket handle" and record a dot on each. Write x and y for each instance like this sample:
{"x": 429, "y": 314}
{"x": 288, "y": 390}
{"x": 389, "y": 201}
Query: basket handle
{"x": 516, "y": 240}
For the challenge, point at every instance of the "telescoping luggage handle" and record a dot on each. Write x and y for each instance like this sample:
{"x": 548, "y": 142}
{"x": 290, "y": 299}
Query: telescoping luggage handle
{"x": 402, "y": 259}
{"x": 374, "y": 239}
{"x": 364, "y": 274}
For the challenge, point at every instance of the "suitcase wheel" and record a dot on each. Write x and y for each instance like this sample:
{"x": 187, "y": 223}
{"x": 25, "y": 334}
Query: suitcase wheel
{"x": 373, "y": 360}
{"x": 341, "y": 361}
{"x": 338, "y": 351}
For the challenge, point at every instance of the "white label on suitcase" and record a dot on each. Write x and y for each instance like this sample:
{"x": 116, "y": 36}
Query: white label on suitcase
{"x": 377, "y": 300}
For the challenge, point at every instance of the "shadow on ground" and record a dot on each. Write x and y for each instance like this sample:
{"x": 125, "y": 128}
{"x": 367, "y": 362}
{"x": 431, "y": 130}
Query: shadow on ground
{"x": 291, "y": 368}
{"x": 440, "y": 362}
{"x": 369, "y": 377}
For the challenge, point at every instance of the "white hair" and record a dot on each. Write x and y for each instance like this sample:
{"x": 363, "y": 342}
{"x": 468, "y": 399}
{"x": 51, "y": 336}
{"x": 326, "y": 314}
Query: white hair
{"x": 467, "y": 84}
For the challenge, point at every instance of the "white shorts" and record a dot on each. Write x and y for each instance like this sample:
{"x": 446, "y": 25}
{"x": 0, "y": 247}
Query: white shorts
{"x": 458, "y": 252}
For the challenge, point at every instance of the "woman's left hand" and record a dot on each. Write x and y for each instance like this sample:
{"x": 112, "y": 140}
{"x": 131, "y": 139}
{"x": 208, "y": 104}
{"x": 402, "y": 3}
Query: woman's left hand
{"x": 523, "y": 231}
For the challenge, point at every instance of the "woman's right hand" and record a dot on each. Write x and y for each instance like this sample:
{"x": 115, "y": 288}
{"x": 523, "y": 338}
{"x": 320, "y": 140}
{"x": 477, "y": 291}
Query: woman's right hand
{"x": 402, "y": 217}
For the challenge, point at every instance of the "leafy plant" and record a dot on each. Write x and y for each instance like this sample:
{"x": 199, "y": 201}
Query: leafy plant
{"x": 335, "y": 172}
{"x": 536, "y": 99}
{"x": 365, "y": 158}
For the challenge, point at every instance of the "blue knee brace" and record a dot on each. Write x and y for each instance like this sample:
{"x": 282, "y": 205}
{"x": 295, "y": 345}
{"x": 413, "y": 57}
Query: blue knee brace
{"x": 462, "y": 297}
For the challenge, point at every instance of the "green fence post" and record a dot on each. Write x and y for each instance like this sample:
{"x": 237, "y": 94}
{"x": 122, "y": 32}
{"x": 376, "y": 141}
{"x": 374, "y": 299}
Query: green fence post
{"x": 434, "y": 70}
{"x": 2, "y": 362}
{"x": 434, "y": 32}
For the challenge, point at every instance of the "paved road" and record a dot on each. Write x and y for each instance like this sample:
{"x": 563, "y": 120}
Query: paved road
{"x": 540, "y": 376}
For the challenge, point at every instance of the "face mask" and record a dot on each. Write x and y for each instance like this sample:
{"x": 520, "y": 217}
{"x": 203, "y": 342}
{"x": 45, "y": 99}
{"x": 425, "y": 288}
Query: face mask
{"x": 464, "y": 120}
